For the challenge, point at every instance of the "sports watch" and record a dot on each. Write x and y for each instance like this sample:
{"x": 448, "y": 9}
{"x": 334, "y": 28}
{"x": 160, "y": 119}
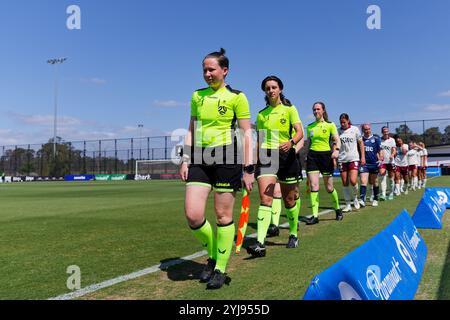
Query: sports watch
{"x": 249, "y": 169}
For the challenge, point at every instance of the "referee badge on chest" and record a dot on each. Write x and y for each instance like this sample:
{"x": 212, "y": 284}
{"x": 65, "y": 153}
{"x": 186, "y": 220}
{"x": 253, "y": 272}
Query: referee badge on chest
{"x": 222, "y": 110}
{"x": 283, "y": 121}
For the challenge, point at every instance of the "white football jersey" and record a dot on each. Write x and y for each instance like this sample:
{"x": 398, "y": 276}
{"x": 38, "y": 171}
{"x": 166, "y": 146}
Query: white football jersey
{"x": 424, "y": 153}
{"x": 386, "y": 146}
{"x": 400, "y": 159}
{"x": 413, "y": 157}
{"x": 349, "y": 144}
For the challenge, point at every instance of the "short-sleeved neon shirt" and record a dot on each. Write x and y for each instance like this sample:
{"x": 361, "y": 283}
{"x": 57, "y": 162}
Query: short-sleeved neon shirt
{"x": 216, "y": 113}
{"x": 320, "y": 134}
{"x": 277, "y": 123}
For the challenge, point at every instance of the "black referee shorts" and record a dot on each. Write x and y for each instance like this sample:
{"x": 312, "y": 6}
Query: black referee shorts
{"x": 320, "y": 161}
{"x": 221, "y": 177}
{"x": 286, "y": 170}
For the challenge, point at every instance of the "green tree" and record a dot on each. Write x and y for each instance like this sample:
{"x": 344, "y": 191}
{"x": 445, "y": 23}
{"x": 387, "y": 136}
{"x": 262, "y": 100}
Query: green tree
{"x": 447, "y": 134}
{"x": 404, "y": 132}
{"x": 433, "y": 136}
{"x": 61, "y": 164}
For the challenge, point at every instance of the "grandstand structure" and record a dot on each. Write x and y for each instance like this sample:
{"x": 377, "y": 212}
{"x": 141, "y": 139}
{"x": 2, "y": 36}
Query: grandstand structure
{"x": 120, "y": 156}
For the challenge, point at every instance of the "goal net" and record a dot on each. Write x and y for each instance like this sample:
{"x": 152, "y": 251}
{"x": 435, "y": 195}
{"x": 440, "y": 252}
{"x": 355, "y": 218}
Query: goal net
{"x": 157, "y": 169}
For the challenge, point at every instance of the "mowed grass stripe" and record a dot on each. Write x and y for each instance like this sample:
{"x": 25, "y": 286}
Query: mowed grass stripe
{"x": 285, "y": 274}
{"x": 114, "y": 233}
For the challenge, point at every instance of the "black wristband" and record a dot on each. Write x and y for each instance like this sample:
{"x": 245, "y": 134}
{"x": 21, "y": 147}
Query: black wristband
{"x": 249, "y": 169}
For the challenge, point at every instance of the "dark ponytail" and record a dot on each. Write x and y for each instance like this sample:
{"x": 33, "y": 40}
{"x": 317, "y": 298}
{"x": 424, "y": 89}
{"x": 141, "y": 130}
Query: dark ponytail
{"x": 346, "y": 117}
{"x": 283, "y": 99}
{"x": 222, "y": 60}
{"x": 325, "y": 114}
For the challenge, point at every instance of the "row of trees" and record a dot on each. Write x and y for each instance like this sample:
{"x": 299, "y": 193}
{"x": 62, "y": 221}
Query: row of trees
{"x": 431, "y": 136}
{"x": 21, "y": 161}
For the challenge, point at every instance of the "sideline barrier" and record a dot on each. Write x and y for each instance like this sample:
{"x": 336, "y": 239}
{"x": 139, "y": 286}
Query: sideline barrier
{"x": 387, "y": 267}
{"x": 431, "y": 208}
{"x": 110, "y": 177}
{"x": 81, "y": 177}
{"x": 434, "y": 172}
{"x": 443, "y": 193}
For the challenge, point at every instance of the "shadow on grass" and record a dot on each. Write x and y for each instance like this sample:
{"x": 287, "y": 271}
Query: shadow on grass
{"x": 181, "y": 270}
{"x": 444, "y": 286}
{"x": 305, "y": 219}
{"x": 252, "y": 225}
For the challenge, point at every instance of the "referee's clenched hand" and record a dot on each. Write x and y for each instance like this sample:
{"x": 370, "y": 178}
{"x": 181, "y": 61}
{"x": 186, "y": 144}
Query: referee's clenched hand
{"x": 248, "y": 179}
{"x": 184, "y": 171}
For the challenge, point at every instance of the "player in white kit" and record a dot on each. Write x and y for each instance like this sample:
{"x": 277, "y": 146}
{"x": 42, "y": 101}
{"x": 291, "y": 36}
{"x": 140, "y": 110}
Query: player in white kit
{"x": 413, "y": 162}
{"x": 349, "y": 160}
{"x": 387, "y": 166}
{"x": 401, "y": 165}
{"x": 422, "y": 170}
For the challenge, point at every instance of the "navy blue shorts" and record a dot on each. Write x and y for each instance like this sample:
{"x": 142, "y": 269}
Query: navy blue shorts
{"x": 370, "y": 168}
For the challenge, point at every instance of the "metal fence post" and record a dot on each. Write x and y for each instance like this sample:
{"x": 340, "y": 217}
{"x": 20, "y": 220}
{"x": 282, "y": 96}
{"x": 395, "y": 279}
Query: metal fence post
{"x": 165, "y": 147}
{"x": 84, "y": 157}
{"x": 115, "y": 156}
{"x": 99, "y": 156}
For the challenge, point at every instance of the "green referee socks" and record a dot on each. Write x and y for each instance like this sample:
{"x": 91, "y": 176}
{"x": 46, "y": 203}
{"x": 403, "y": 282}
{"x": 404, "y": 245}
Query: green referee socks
{"x": 335, "y": 198}
{"x": 205, "y": 235}
{"x": 299, "y": 204}
{"x": 225, "y": 239}
{"x": 276, "y": 211}
{"x": 314, "y": 195}
{"x": 292, "y": 215}
{"x": 264, "y": 216}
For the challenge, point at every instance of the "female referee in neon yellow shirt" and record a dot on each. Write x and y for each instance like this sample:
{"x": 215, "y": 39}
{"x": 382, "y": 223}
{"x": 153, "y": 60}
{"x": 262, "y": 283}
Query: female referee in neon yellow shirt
{"x": 211, "y": 163}
{"x": 321, "y": 159}
{"x": 276, "y": 161}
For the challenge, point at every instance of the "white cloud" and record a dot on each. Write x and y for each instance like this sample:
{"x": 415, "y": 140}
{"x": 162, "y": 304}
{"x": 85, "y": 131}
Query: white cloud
{"x": 169, "y": 103}
{"x": 445, "y": 94}
{"x": 7, "y": 137}
{"x": 437, "y": 107}
{"x": 44, "y": 120}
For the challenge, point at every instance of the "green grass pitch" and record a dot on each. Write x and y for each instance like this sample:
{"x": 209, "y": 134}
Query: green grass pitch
{"x": 110, "y": 229}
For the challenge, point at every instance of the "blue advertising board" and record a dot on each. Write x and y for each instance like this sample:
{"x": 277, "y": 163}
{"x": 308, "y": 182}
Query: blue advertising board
{"x": 434, "y": 172}
{"x": 443, "y": 193}
{"x": 429, "y": 211}
{"x": 387, "y": 267}
{"x": 79, "y": 177}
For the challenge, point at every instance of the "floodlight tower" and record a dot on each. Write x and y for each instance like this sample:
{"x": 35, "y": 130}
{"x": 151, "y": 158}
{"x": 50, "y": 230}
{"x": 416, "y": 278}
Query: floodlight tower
{"x": 140, "y": 126}
{"x": 55, "y": 62}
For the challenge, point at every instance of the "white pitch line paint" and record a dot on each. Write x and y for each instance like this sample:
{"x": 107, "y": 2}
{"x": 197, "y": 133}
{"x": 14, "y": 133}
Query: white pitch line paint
{"x": 134, "y": 275}
{"x": 143, "y": 272}
{"x": 153, "y": 269}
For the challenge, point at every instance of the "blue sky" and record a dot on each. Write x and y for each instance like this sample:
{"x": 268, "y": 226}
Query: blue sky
{"x": 138, "y": 62}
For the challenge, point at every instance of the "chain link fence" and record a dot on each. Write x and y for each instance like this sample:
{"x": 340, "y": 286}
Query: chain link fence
{"x": 119, "y": 156}
{"x": 430, "y": 132}
{"x": 112, "y": 156}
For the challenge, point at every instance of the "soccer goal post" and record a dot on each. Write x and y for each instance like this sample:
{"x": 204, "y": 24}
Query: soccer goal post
{"x": 157, "y": 169}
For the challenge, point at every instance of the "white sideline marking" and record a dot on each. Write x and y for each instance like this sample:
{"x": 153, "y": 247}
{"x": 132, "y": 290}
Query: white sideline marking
{"x": 153, "y": 269}
{"x": 143, "y": 272}
{"x": 134, "y": 275}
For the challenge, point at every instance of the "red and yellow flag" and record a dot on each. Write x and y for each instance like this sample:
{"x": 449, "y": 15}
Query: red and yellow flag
{"x": 243, "y": 220}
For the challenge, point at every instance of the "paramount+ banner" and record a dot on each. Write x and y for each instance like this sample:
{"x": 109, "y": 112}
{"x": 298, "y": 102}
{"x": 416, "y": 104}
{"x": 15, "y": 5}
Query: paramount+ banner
{"x": 431, "y": 208}
{"x": 387, "y": 267}
{"x": 443, "y": 194}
